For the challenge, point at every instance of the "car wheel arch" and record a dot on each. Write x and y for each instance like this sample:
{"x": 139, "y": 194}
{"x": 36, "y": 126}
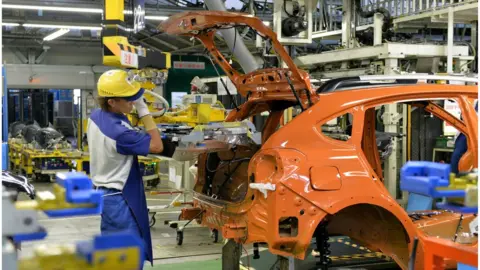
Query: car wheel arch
{"x": 393, "y": 236}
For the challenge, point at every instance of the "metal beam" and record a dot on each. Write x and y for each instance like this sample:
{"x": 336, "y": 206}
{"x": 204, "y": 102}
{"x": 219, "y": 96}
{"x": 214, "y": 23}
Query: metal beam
{"x": 340, "y": 73}
{"x": 19, "y": 55}
{"x": 336, "y": 33}
{"x": 450, "y": 41}
{"x": 386, "y": 50}
{"x": 31, "y": 56}
{"x": 41, "y": 57}
{"x": 181, "y": 40}
{"x": 157, "y": 40}
{"x": 473, "y": 5}
{"x": 173, "y": 47}
{"x": 52, "y": 76}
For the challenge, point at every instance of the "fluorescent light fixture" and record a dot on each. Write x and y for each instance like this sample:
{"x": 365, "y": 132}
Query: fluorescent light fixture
{"x": 77, "y": 10}
{"x": 52, "y": 8}
{"x": 56, "y": 34}
{"x": 156, "y": 18}
{"x": 55, "y": 26}
{"x": 10, "y": 24}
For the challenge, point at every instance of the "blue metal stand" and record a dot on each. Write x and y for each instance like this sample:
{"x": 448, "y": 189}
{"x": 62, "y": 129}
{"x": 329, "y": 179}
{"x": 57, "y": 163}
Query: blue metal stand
{"x": 422, "y": 179}
{"x": 4, "y": 121}
{"x": 116, "y": 250}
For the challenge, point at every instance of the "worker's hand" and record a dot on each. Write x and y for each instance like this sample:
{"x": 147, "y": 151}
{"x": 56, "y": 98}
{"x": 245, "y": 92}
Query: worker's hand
{"x": 141, "y": 106}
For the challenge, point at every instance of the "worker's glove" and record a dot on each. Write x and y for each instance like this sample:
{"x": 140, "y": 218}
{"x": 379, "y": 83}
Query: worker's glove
{"x": 141, "y": 106}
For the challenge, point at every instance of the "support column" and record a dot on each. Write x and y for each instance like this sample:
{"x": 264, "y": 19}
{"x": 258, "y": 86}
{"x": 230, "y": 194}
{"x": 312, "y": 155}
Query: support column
{"x": 450, "y": 41}
{"x": 377, "y": 28}
{"x": 474, "y": 40}
{"x": 231, "y": 253}
{"x": 347, "y": 23}
{"x": 391, "y": 111}
{"x": 435, "y": 64}
{"x": 31, "y": 57}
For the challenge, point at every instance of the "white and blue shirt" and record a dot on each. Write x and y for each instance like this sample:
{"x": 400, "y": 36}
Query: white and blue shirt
{"x": 114, "y": 146}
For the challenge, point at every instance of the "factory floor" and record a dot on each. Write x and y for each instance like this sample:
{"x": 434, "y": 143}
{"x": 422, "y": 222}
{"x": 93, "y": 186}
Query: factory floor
{"x": 198, "y": 251}
{"x": 197, "y": 246}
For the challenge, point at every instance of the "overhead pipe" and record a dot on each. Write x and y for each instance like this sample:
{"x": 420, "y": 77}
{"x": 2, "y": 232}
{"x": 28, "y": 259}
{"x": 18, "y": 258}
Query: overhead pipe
{"x": 235, "y": 41}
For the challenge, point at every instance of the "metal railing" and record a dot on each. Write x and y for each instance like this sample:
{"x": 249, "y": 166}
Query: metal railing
{"x": 328, "y": 16}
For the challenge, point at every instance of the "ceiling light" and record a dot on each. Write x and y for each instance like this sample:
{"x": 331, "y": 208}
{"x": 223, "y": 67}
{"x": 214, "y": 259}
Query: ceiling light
{"x": 52, "y": 8}
{"x": 55, "y": 26}
{"x": 75, "y": 9}
{"x": 56, "y": 34}
{"x": 10, "y": 24}
{"x": 156, "y": 18}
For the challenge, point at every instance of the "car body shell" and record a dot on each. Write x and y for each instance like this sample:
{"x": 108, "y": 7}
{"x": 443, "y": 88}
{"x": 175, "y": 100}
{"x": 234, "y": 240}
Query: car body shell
{"x": 319, "y": 179}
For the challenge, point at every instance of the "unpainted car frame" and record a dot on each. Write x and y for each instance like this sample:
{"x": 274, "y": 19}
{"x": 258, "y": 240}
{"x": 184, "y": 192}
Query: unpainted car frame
{"x": 322, "y": 186}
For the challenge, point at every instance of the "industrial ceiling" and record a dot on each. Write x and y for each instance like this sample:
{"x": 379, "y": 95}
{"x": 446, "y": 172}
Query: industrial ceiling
{"x": 25, "y": 25}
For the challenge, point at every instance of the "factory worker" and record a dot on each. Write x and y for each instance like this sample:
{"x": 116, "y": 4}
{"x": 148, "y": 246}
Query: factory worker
{"x": 114, "y": 146}
{"x": 460, "y": 148}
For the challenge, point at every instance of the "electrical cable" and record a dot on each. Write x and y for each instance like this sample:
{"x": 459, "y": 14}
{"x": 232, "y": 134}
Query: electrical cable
{"x": 163, "y": 100}
{"x": 230, "y": 174}
{"x": 232, "y": 100}
{"x": 234, "y": 149}
{"x": 228, "y": 161}
{"x": 285, "y": 9}
{"x": 458, "y": 228}
{"x": 473, "y": 51}
{"x": 293, "y": 91}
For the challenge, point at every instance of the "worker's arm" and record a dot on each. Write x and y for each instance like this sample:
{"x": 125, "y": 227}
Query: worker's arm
{"x": 156, "y": 145}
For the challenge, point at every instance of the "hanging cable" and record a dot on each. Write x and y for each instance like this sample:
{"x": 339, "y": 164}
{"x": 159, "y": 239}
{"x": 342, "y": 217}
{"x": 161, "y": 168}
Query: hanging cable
{"x": 293, "y": 91}
{"x": 232, "y": 100}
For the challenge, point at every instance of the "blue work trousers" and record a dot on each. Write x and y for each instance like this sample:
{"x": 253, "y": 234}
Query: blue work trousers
{"x": 117, "y": 215}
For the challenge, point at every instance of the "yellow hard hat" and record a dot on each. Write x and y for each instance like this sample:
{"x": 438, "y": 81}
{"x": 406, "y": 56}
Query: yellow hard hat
{"x": 116, "y": 83}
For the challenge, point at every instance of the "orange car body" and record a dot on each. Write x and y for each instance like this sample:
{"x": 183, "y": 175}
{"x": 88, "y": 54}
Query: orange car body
{"x": 317, "y": 178}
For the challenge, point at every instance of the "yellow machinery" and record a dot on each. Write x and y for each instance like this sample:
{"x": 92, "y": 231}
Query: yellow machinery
{"x": 149, "y": 67}
{"x": 199, "y": 109}
{"x": 15, "y": 153}
{"x": 116, "y": 49}
{"x": 468, "y": 184}
{"x": 43, "y": 163}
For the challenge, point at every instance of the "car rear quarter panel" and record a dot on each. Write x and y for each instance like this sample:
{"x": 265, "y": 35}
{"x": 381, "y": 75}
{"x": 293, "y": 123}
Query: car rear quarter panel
{"x": 298, "y": 146}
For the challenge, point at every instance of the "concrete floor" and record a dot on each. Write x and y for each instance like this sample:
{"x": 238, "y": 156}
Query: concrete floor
{"x": 197, "y": 246}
